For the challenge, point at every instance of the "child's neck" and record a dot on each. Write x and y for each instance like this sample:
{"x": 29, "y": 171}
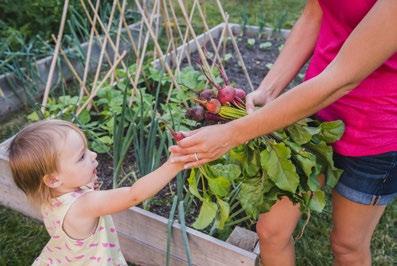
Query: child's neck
{"x": 57, "y": 192}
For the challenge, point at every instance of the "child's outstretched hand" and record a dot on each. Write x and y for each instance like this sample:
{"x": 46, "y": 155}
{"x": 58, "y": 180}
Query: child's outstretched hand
{"x": 171, "y": 160}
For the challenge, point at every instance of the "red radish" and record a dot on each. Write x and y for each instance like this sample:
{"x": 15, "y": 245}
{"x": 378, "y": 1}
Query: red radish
{"x": 177, "y": 136}
{"x": 226, "y": 94}
{"x": 206, "y": 94}
{"x": 196, "y": 113}
{"x": 240, "y": 93}
{"x": 212, "y": 106}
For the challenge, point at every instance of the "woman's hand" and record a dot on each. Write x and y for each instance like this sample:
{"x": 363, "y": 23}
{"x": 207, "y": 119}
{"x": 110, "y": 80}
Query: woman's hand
{"x": 259, "y": 97}
{"x": 204, "y": 145}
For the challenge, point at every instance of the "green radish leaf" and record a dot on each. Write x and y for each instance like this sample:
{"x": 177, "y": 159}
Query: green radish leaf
{"x": 271, "y": 197}
{"x": 207, "y": 214}
{"x": 332, "y": 176}
{"x": 192, "y": 180}
{"x": 313, "y": 180}
{"x": 325, "y": 154}
{"x": 275, "y": 161}
{"x": 299, "y": 134}
{"x": 238, "y": 154}
{"x": 306, "y": 164}
{"x": 230, "y": 171}
{"x": 250, "y": 169}
{"x": 223, "y": 214}
{"x": 317, "y": 202}
{"x": 220, "y": 185}
{"x": 251, "y": 196}
{"x": 331, "y": 131}
{"x": 251, "y": 166}
{"x": 313, "y": 130}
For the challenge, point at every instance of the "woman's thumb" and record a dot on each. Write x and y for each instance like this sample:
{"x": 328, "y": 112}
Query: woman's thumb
{"x": 249, "y": 105}
{"x": 190, "y": 133}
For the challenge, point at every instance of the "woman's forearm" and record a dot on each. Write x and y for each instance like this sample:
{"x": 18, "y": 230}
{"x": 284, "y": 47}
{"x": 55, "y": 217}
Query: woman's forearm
{"x": 296, "y": 51}
{"x": 287, "y": 109}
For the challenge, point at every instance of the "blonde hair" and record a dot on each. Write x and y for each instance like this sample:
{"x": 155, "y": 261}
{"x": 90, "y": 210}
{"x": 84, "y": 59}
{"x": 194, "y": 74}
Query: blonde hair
{"x": 33, "y": 154}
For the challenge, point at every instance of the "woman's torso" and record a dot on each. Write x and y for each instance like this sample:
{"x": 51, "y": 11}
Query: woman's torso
{"x": 370, "y": 110}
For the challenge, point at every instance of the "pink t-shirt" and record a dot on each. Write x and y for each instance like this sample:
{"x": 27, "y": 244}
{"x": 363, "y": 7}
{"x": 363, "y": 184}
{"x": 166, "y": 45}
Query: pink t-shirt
{"x": 370, "y": 110}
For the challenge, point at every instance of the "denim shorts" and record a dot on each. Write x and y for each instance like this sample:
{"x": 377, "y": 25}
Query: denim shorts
{"x": 369, "y": 180}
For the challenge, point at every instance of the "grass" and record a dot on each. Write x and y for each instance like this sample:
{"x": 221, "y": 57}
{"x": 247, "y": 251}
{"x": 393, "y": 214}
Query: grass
{"x": 12, "y": 124}
{"x": 273, "y": 13}
{"x": 314, "y": 248}
{"x": 21, "y": 238}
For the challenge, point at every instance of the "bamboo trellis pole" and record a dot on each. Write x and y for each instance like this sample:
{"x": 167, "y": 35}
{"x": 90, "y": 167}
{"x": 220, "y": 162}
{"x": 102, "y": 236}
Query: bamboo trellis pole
{"x": 94, "y": 92}
{"x": 88, "y": 57}
{"x": 127, "y": 29}
{"x": 55, "y": 57}
{"x": 71, "y": 67}
{"x": 118, "y": 33}
{"x": 187, "y": 49}
{"x": 107, "y": 36}
{"x": 226, "y": 19}
{"x": 183, "y": 39}
{"x": 140, "y": 59}
{"x": 93, "y": 26}
{"x": 168, "y": 27}
{"x": 158, "y": 48}
{"x": 104, "y": 44}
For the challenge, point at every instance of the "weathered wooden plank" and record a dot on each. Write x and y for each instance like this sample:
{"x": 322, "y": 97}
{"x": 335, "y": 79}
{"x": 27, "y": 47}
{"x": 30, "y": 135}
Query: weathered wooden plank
{"x": 243, "y": 238}
{"x": 191, "y": 46}
{"x": 11, "y": 196}
{"x": 4, "y": 149}
{"x": 141, "y": 253}
{"x": 151, "y": 229}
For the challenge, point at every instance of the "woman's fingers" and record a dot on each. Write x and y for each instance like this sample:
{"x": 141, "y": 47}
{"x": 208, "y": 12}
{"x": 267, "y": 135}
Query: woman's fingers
{"x": 179, "y": 151}
{"x": 191, "y": 132}
{"x": 196, "y": 163}
{"x": 191, "y": 157}
{"x": 249, "y": 103}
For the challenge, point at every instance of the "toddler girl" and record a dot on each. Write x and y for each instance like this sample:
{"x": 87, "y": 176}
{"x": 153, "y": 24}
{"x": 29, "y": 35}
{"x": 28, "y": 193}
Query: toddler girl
{"x": 52, "y": 164}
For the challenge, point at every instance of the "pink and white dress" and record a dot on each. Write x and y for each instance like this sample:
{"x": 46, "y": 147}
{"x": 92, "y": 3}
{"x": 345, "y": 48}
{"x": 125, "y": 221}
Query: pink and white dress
{"x": 100, "y": 248}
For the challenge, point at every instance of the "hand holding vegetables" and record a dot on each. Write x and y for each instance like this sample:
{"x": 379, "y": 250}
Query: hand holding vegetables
{"x": 257, "y": 173}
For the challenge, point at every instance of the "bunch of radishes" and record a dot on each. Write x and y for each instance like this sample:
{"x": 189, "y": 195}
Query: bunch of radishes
{"x": 219, "y": 103}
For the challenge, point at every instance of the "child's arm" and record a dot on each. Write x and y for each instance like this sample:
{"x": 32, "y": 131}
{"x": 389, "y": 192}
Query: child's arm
{"x": 98, "y": 203}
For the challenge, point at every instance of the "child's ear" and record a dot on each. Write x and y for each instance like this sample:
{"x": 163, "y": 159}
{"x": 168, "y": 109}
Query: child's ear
{"x": 52, "y": 181}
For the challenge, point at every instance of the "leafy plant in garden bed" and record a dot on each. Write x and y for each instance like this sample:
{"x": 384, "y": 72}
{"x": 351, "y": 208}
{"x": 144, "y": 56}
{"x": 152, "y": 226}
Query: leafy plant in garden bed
{"x": 250, "y": 178}
{"x": 112, "y": 125}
